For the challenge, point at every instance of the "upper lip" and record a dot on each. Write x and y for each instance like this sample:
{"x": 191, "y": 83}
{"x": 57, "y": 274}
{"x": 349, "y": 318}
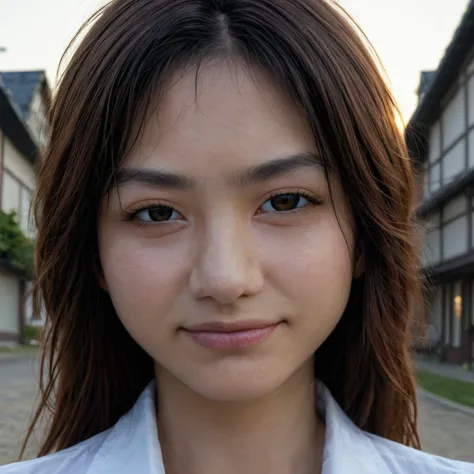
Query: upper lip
{"x": 220, "y": 326}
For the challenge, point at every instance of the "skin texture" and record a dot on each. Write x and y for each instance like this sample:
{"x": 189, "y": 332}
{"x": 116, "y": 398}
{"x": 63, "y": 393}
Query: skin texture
{"x": 228, "y": 255}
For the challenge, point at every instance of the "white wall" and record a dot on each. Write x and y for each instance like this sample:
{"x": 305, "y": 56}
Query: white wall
{"x": 18, "y": 165}
{"x": 18, "y": 186}
{"x": 10, "y": 194}
{"x": 10, "y": 303}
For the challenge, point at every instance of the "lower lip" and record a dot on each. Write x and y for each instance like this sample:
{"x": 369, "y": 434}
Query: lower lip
{"x": 232, "y": 340}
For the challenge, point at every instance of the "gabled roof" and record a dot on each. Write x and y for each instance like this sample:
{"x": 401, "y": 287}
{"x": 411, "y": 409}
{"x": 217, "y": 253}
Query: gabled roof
{"x": 13, "y": 125}
{"x": 440, "y": 82}
{"x": 22, "y": 86}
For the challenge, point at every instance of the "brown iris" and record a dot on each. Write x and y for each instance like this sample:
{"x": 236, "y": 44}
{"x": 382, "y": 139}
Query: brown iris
{"x": 158, "y": 214}
{"x": 285, "y": 202}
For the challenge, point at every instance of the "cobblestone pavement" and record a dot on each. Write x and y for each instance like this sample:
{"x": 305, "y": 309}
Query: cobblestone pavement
{"x": 443, "y": 431}
{"x": 18, "y": 390}
{"x": 446, "y": 432}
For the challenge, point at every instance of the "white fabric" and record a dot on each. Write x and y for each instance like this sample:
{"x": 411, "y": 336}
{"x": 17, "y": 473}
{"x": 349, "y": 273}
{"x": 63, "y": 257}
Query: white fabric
{"x": 132, "y": 447}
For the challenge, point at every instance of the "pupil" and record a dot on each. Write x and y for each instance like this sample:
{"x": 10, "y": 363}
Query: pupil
{"x": 160, "y": 213}
{"x": 286, "y": 202}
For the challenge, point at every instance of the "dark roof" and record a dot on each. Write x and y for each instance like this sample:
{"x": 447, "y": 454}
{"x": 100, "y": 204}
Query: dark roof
{"x": 447, "y": 72}
{"x": 426, "y": 80}
{"x": 21, "y": 86}
{"x": 13, "y": 125}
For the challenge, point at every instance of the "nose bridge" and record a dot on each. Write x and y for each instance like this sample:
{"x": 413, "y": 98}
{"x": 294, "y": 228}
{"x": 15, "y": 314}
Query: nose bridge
{"x": 227, "y": 263}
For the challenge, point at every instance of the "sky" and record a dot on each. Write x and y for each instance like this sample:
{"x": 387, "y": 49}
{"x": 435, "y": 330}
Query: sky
{"x": 408, "y": 35}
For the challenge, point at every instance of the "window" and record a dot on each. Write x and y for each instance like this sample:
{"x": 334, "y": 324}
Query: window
{"x": 453, "y": 118}
{"x": 455, "y": 208}
{"x": 454, "y": 163}
{"x": 431, "y": 249}
{"x": 455, "y": 238}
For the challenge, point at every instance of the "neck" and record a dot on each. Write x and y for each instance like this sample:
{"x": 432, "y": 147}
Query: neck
{"x": 279, "y": 433}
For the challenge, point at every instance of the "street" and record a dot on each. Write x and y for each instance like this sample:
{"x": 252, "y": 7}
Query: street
{"x": 444, "y": 431}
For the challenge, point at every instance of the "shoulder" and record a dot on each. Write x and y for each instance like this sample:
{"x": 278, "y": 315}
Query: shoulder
{"x": 402, "y": 459}
{"x": 350, "y": 449}
{"x": 131, "y": 445}
{"x": 74, "y": 460}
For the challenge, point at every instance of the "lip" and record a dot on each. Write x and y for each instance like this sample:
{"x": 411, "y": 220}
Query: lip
{"x": 231, "y": 335}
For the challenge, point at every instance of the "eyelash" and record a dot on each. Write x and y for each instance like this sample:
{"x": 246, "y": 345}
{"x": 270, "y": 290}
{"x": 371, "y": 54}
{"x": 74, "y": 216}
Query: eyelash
{"x": 132, "y": 214}
{"x": 313, "y": 201}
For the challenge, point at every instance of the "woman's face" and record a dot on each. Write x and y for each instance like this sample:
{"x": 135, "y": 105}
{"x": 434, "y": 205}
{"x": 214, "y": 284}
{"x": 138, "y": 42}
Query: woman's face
{"x": 220, "y": 246}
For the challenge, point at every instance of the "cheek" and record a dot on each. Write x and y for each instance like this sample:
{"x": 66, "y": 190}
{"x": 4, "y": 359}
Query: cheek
{"x": 143, "y": 280}
{"x": 314, "y": 271}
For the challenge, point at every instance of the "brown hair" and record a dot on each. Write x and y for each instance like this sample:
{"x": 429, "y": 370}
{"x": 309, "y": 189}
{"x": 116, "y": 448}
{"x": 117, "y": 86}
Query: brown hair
{"x": 93, "y": 371}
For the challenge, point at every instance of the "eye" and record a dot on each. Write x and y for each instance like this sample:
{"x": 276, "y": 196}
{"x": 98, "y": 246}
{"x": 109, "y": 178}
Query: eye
{"x": 157, "y": 214}
{"x": 286, "y": 202}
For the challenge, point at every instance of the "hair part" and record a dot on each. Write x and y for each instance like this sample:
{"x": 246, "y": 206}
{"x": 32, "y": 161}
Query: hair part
{"x": 92, "y": 369}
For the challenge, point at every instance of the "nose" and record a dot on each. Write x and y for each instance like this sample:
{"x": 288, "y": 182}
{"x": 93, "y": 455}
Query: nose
{"x": 227, "y": 265}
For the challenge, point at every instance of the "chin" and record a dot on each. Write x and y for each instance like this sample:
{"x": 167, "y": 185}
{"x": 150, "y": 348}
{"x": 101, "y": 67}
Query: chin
{"x": 234, "y": 384}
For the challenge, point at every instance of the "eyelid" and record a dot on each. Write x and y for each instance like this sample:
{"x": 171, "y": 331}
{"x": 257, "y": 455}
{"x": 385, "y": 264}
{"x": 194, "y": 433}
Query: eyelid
{"x": 312, "y": 199}
{"x": 141, "y": 206}
{"x": 311, "y": 196}
{"x": 149, "y": 203}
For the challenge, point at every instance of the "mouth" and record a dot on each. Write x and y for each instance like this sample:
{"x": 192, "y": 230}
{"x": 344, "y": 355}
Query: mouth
{"x": 231, "y": 335}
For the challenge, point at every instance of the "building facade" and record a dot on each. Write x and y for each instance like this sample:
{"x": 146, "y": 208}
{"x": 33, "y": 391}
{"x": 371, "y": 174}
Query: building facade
{"x": 24, "y": 99}
{"x": 440, "y": 137}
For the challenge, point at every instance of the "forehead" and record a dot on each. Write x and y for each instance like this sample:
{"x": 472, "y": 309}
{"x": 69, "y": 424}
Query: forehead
{"x": 222, "y": 115}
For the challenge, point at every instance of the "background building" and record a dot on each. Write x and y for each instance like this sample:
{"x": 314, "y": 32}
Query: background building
{"x": 440, "y": 136}
{"x": 24, "y": 99}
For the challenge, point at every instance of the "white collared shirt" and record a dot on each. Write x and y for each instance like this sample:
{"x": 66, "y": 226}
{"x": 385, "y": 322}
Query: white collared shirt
{"x": 132, "y": 446}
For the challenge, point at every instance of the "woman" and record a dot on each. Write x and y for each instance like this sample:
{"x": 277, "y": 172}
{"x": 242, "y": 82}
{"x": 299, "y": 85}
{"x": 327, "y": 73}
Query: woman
{"x": 225, "y": 249}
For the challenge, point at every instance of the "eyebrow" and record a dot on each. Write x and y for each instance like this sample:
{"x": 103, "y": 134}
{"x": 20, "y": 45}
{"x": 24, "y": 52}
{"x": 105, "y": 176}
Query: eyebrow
{"x": 260, "y": 173}
{"x": 154, "y": 177}
{"x": 277, "y": 167}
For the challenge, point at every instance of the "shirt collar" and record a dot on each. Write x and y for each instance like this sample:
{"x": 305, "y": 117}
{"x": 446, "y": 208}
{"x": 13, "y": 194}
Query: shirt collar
{"x": 132, "y": 445}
